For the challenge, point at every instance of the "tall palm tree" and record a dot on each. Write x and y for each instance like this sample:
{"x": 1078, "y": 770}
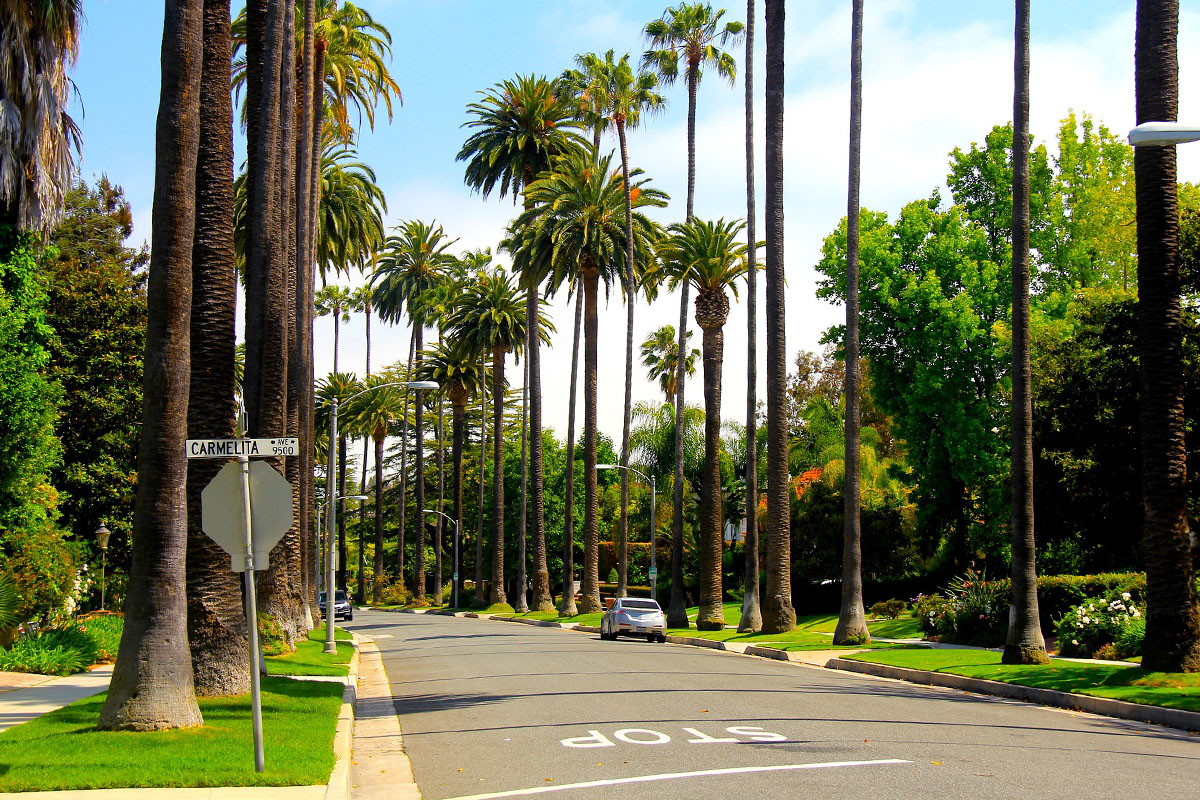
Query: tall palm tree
{"x": 412, "y": 263}
{"x": 151, "y": 687}
{"x": 216, "y": 620}
{"x": 456, "y": 368}
{"x": 38, "y": 42}
{"x": 690, "y": 33}
{"x": 624, "y": 95}
{"x": 374, "y": 414}
{"x": 568, "y": 607}
{"x": 360, "y": 300}
{"x": 1172, "y": 619}
{"x": 660, "y": 357}
{"x": 751, "y": 621}
{"x": 518, "y": 127}
{"x": 852, "y": 622}
{"x": 490, "y": 319}
{"x": 708, "y": 255}
{"x": 573, "y": 223}
{"x": 336, "y": 301}
{"x": 1024, "y": 644}
{"x": 341, "y": 385}
{"x": 777, "y": 610}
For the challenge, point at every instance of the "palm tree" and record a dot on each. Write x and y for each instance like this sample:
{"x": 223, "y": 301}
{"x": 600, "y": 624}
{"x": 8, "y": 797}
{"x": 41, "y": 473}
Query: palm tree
{"x": 519, "y": 126}
{"x": 360, "y": 300}
{"x": 777, "y": 611}
{"x": 216, "y": 620}
{"x": 691, "y": 33}
{"x": 852, "y": 623}
{"x": 707, "y": 255}
{"x": 1024, "y": 644}
{"x": 568, "y": 607}
{"x": 38, "y": 41}
{"x": 414, "y": 259}
{"x": 660, "y": 357}
{"x": 1172, "y": 621}
{"x": 374, "y": 413}
{"x": 624, "y": 96}
{"x": 349, "y": 225}
{"x": 341, "y": 385}
{"x": 456, "y": 368}
{"x": 751, "y": 621}
{"x": 490, "y": 319}
{"x": 151, "y": 687}
{"x": 572, "y": 224}
{"x": 336, "y": 301}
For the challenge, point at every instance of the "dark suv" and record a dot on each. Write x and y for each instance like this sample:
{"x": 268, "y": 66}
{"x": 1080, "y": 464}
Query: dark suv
{"x": 341, "y": 606}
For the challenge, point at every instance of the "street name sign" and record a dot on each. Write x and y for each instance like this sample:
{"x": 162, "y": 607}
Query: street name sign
{"x": 223, "y": 518}
{"x": 251, "y": 448}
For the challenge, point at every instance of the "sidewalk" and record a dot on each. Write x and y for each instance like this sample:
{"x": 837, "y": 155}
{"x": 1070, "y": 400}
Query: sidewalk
{"x": 25, "y": 697}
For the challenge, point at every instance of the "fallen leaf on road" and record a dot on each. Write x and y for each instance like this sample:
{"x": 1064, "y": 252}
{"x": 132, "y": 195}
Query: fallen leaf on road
{"x": 865, "y": 740}
{"x": 704, "y": 711}
{"x": 940, "y": 764}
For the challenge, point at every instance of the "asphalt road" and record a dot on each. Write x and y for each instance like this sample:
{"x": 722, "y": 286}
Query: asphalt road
{"x": 492, "y": 709}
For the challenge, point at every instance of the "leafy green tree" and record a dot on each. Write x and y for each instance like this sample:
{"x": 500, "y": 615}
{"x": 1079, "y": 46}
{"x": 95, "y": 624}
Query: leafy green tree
{"x": 933, "y": 314}
{"x": 97, "y": 310}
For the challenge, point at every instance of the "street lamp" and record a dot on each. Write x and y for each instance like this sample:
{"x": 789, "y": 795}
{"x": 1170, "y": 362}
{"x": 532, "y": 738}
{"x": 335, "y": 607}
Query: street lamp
{"x": 455, "y": 523}
{"x": 331, "y": 504}
{"x": 653, "y": 499}
{"x": 1151, "y": 134}
{"x": 102, "y": 534}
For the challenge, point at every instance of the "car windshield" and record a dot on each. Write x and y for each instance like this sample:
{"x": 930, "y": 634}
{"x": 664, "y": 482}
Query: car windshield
{"x": 340, "y": 597}
{"x": 640, "y": 605}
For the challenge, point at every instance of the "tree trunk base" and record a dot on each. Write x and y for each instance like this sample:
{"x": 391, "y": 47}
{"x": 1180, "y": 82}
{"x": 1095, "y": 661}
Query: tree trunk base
{"x": 1020, "y": 654}
{"x": 568, "y": 608}
{"x": 711, "y": 617}
{"x": 590, "y": 604}
{"x": 778, "y": 615}
{"x": 677, "y": 618}
{"x": 751, "y": 621}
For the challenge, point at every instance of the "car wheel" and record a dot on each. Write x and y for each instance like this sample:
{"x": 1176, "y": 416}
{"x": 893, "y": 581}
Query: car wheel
{"x": 350, "y": 616}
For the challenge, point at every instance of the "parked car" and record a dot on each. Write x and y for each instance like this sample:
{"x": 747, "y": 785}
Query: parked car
{"x": 634, "y": 616}
{"x": 341, "y": 606}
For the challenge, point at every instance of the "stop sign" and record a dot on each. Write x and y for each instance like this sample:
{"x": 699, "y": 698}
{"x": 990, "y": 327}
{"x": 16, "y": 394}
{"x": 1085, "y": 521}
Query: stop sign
{"x": 270, "y": 512}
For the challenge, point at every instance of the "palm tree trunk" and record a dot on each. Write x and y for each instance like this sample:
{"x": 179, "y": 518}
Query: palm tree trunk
{"x": 751, "y": 621}
{"x": 478, "y": 599}
{"x": 568, "y": 608}
{"x": 341, "y": 518}
{"x": 152, "y": 686}
{"x": 852, "y": 622}
{"x": 543, "y": 598}
{"x": 711, "y": 614}
{"x": 1024, "y": 644}
{"x": 590, "y": 599}
{"x": 1172, "y": 619}
{"x": 778, "y": 614}
{"x": 360, "y": 595}
{"x": 497, "y": 593}
{"x": 520, "y": 604}
{"x": 419, "y": 478}
{"x": 438, "y": 529}
{"x": 305, "y": 278}
{"x": 337, "y": 315}
{"x": 216, "y": 620}
{"x": 412, "y": 349}
{"x": 377, "y": 583}
{"x": 630, "y": 298}
{"x": 458, "y": 405}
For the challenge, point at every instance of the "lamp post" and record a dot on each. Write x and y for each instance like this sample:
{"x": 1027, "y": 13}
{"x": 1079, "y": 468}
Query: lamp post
{"x": 102, "y": 534}
{"x": 454, "y": 583}
{"x": 653, "y": 500}
{"x": 331, "y": 499}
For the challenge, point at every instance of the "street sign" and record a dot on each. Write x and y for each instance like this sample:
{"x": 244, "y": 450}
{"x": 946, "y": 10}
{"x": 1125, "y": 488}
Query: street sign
{"x": 222, "y": 516}
{"x": 653, "y": 573}
{"x": 251, "y": 448}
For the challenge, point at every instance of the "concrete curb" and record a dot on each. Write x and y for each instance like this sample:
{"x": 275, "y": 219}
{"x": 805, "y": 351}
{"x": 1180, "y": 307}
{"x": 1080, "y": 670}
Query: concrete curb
{"x": 380, "y": 769}
{"x": 338, "y": 786}
{"x": 1170, "y": 717}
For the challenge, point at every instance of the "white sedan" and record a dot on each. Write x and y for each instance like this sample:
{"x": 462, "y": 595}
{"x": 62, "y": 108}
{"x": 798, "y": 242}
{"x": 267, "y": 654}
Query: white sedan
{"x": 636, "y": 617}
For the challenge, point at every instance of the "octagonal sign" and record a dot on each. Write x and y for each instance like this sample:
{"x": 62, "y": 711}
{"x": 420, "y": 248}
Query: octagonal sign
{"x": 270, "y": 512}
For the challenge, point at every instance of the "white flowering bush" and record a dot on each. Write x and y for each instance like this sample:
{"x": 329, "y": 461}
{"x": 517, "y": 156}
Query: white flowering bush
{"x": 1097, "y": 624}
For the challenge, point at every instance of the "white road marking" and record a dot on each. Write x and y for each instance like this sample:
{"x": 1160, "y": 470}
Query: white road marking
{"x": 667, "y": 776}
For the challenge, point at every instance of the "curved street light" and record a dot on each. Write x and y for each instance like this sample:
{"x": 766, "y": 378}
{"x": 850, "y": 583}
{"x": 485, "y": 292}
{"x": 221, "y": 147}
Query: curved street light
{"x": 331, "y": 504}
{"x": 653, "y": 499}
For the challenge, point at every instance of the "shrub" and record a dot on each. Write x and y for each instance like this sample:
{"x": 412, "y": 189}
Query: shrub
{"x": 889, "y": 609}
{"x": 1129, "y": 642}
{"x": 447, "y": 593}
{"x": 929, "y": 609}
{"x": 612, "y": 575}
{"x": 397, "y": 594}
{"x": 105, "y": 628}
{"x": 978, "y": 610}
{"x": 1095, "y": 624}
{"x": 57, "y": 651}
{"x": 270, "y": 636}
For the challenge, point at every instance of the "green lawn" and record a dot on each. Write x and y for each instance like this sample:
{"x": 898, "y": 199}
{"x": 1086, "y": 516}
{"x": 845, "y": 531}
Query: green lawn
{"x": 901, "y": 628}
{"x": 63, "y": 750}
{"x": 1132, "y": 684}
{"x": 553, "y": 616}
{"x": 310, "y": 658}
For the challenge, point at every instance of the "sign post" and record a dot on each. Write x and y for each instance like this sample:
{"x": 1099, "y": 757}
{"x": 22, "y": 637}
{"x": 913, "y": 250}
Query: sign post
{"x": 262, "y": 523}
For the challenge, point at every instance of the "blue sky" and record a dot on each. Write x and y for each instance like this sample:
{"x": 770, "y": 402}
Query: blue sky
{"x": 937, "y": 74}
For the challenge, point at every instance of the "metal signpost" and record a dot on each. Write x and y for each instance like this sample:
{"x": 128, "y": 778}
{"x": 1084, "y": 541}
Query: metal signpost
{"x": 247, "y": 508}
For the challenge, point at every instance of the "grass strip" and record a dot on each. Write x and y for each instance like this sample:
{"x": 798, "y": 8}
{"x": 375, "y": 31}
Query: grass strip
{"x": 63, "y": 749}
{"x": 1131, "y": 684}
